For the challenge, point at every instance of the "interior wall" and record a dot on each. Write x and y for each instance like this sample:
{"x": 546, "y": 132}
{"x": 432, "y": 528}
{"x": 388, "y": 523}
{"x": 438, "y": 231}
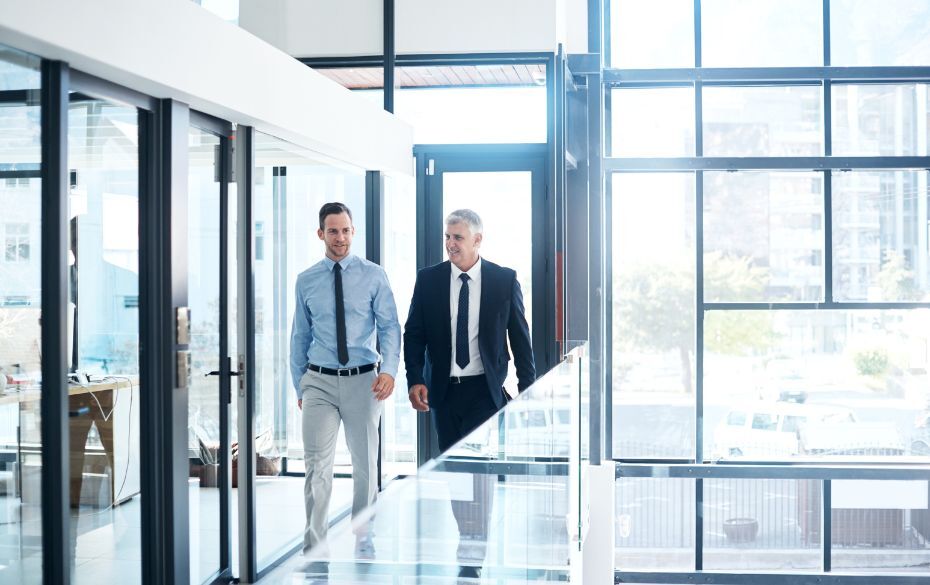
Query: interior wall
{"x": 354, "y": 27}
{"x": 176, "y": 49}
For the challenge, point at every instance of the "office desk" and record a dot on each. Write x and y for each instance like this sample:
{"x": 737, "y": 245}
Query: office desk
{"x": 112, "y": 405}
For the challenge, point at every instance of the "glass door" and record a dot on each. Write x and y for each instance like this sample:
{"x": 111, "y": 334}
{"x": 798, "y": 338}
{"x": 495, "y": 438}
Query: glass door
{"x": 505, "y": 185}
{"x": 211, "y": 367}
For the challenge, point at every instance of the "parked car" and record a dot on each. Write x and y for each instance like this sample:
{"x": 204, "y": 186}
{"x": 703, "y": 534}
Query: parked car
{"x": 920, "y": 439}
{"x": 771, "y": 429}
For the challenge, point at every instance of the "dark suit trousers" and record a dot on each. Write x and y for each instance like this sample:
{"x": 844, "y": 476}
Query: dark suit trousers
{"x": 467, "y": 406}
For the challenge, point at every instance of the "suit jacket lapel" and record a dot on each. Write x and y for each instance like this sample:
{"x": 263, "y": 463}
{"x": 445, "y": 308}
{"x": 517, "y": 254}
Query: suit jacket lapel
{"x": 444, "y": 291}
{"x": 487, "y": 303}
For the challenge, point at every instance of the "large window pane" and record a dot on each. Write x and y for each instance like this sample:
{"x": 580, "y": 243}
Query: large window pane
{"x": 20, "y": 328}
{"x": 761, "y": 524}
{"x": 880, "y": 229}
{"x": 652, "y": 122}
{"x": 291, "y": 186}
{"x": 763, "y": 121}
{"x": 880, "y": 526}
{"x": 815, "y": 384}
{"x": 880, "y": 119}
{"x": 654, "y": 527}
{"x": 399, "y": 439}
{"x": 653, "y": 315}
{"x": 203, "y": 278}
{"x": 103, "y": 156}
{"x": 890, "y": 32}
{"x": 763, "y": 236}
{"x": 474, "y": 114}
{"x": 761, "y": 33}
{"x": 651, "y": 34}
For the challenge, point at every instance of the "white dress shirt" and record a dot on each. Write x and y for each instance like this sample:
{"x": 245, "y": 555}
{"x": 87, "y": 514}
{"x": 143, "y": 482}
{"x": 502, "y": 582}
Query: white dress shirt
{"x": 475, "y": 366}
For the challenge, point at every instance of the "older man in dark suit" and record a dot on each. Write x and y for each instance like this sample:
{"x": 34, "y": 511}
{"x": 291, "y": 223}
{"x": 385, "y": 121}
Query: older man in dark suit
{"x": 455, "y": 341}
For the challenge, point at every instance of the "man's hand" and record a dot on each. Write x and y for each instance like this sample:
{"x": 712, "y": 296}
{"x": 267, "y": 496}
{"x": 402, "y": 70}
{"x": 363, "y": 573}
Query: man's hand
{"x": 383, "y": 386}
{"x": 300, "y": 404}
{"x": 417, "y": 396}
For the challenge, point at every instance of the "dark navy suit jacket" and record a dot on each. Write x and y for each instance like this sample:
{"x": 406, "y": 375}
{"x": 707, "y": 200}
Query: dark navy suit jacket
{"x": 428, "y": 332}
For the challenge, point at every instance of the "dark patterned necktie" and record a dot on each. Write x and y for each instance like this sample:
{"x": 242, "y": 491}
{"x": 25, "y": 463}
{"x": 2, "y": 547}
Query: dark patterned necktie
{"x": 461, "y": 326}
{"x": 341, "y": 347}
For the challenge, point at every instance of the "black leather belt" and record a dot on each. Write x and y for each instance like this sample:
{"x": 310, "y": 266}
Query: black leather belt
{"x": 342, "y": 371}
{"x": 463, "y": 379}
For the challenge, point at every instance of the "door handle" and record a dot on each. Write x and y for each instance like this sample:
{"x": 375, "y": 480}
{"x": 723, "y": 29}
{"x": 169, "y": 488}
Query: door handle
{"x": 217, "y": 373}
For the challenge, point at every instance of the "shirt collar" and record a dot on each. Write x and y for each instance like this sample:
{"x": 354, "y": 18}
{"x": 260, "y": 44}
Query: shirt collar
{"x": 474, "y": 273}
{"x": 345, "y": 262}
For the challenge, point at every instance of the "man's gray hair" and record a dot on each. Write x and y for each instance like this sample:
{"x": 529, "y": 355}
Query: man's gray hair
{"x": 468, "y": 217}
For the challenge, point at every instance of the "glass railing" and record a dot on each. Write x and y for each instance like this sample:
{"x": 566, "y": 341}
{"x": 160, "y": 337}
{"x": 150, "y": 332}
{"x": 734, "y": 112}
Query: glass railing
{"x": 505, "y": 503}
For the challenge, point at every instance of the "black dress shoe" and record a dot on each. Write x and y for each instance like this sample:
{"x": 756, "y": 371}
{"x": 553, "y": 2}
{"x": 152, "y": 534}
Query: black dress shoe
{"x": 470, "y": 572}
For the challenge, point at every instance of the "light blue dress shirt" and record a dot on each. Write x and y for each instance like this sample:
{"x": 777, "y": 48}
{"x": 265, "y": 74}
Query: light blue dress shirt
{"x": 371, "y": 316}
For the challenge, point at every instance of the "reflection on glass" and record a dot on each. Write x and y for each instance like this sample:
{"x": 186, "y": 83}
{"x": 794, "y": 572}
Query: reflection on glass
{"x": 203, "y": 277}
{"x": 503, "y": 201}
{"x": 653, "y": 314}
{"x": 463, "y": 512}
{"x": 761, "y": 33}
{"x": 651, "y": 34}
{"x": 880, "y": 119}
{"x": 291, "y": 186}
{"x": 880, "y": 526}
{"x": 763, "y": 236}
{"x": 399, "y": 435}
{"x": 103, "y": 158}
{"x": 654, "y": 526}
{"x": 763, "y": 121}
{"x": 652, "y": 121}
{"x": 761, "y": 524}
{"x": 880, "y": 235}
{"x": 815, "y": 384}
{"x": 20, "y": 327}
{"x": 891, "y": 32}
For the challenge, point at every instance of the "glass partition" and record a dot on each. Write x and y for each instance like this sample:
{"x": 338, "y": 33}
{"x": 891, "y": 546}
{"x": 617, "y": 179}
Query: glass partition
{"x": 103, "y": 158}
{"x": 500, "y": 504}
{"x": 291, "y": 184}
{"x": 20, "y": 322}
{"x": 399, "y": 259}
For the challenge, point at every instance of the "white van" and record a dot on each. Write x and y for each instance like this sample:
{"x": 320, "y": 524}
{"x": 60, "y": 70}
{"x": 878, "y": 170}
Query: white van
{"x": 767, "y": 429}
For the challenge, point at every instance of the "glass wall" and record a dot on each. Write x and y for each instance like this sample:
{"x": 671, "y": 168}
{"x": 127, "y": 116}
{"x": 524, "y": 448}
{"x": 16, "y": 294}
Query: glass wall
{"x": 399, "y": 255}
{"x": 767, "y": 290}
{"x": 291, "y": 184}
{"x": 204, "y": 403}
{"x": 103, "y": 158}
{"x": 20, "y": 320}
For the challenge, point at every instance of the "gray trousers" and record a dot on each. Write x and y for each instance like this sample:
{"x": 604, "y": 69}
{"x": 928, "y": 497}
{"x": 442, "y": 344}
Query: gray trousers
{"x": 327, "y": 400}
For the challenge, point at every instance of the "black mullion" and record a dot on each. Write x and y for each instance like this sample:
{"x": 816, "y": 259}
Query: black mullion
{"x": 827, "y": 526}
{"x": 828, "y": 239}
{"x": 390, "y": 56}
{"x": 826, "y": 33}
{"x": 225, "y": 483}
{"x": 56, "y": 512}
{"x": 697, "y": 34}
{"x": 245, "y": 156}
{"x": 699, "y": 309}
{"x": 835, "y": 306}
{"x": 374, "y": 246}
{"x": 699, "y": 524}
{"x": 163, "y": 176}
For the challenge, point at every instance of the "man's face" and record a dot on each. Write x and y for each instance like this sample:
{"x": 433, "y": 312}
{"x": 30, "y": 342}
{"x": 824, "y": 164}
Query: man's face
{"x": 337, "y": 234}
{"x": 462, "y": 245}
